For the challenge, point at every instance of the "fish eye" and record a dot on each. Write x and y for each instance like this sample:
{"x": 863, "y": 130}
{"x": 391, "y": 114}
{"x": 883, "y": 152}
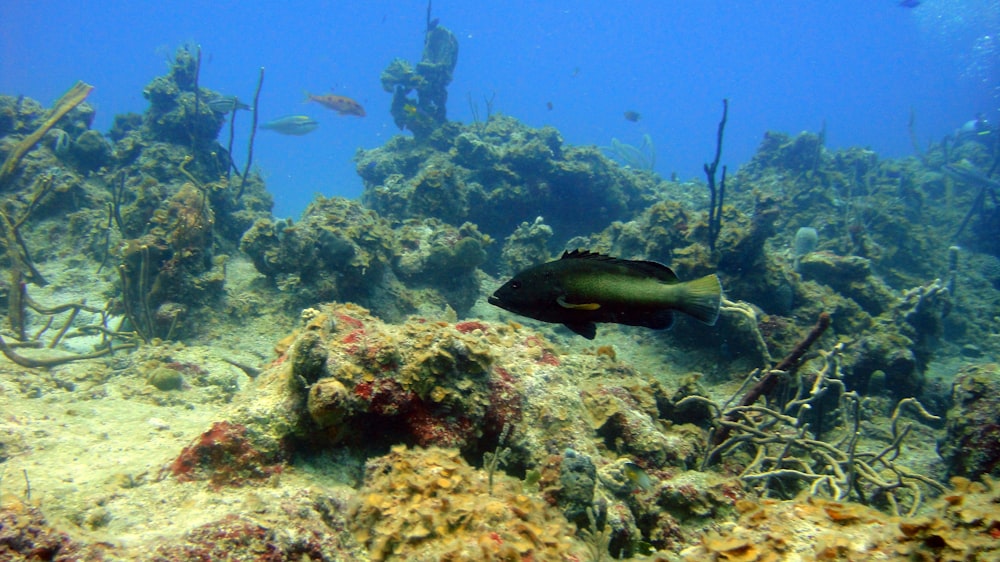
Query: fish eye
{"x": 515, "y": 285}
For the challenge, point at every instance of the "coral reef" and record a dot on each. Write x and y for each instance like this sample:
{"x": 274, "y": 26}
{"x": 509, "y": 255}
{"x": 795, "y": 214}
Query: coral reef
{"x": 158, "y": 200}
{"x": 430, "y": 504}
{"x": 341, "y": 251}
{"x": 175, "y": 207}
{"x": 70, "y": 100}
{"x": 238, "y": 538}
{"x": 348, "y": 380}
{"x": 971, "y": 447}
{"x": 430, "y": 79}
{"x": 225, "y": 456}
{"x": 172, "y": 117}
{"x": 474, "y": 438}
{"x": 465, "y": 173}
{"x": 526, "y": 246}
{"x": 963, "y": 526}
{"x": 26, "y": 535}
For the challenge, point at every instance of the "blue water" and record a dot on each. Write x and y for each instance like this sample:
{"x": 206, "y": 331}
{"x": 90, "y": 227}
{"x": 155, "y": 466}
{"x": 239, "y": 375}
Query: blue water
{"x": 857, "y": 65}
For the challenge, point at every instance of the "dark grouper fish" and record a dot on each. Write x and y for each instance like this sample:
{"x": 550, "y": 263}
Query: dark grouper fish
{"x": 582, "y": 288}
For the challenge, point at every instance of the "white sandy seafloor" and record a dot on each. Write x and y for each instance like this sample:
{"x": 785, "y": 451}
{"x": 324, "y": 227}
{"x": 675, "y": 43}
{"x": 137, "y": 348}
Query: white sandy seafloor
{"x": 88, "y": 441}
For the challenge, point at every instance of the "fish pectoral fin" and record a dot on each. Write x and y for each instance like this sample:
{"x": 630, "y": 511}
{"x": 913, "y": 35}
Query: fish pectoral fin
{"x": 585, "y": 306}
{"x": 587, "y": 330}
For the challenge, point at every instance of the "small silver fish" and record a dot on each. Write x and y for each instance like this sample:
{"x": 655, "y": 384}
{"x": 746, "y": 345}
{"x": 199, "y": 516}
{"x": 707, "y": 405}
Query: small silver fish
{"x": 226, "y": 104}
{"x": 61, "y": 144}
{"x": 297, "y": 125}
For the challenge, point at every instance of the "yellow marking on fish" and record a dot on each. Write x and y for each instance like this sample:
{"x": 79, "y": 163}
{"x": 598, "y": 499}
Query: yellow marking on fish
{"x": 585, "y": 306}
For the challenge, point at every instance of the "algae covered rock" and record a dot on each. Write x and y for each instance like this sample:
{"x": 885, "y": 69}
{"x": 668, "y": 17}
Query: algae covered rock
{"x": 577, "y": 482}
{"x": 430, "y": 79}
{"x": 850, "y": 276}
{"x": 888, "y": 353}
{"x": 436, "y": 256}
{"x": 91, "y": 151}
{"x": 307, "y": 536}
{"x": 173, "y": 116}
{"x": 430, "y": 504}
{"x": 959, "y": 526}
{"x": 337, "y": 251}
{"x": 423, "y": 385}
{"x": 526, "y": 246}
{"x": 971, "y": 448}
{"x": 342, "y": 251}
{"x": 165, "y": 378}
{"x": 469, "y": 172}
{"x": 351, "y": 383}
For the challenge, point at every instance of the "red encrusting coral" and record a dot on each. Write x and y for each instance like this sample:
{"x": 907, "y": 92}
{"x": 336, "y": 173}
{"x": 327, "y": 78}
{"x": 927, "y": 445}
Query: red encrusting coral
{"x": 471, "y": 326}
{"x": 225, "y": 456}
{"x": 388, "y": 398}
{"x": 438, "y": 430}
{"x": 364, "y": 391}
{"x": 426, "y": 425}
{"x": 353, "y": 337}
{"x": 506, "y": 402}
{"x": 548, "y": 356}
{"x": 350, "y": 321}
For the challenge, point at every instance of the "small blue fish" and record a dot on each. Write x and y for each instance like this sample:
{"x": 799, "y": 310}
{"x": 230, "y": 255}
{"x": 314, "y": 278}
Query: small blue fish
{"x": 226, "y": 104}
{"x": 297, "y": 125}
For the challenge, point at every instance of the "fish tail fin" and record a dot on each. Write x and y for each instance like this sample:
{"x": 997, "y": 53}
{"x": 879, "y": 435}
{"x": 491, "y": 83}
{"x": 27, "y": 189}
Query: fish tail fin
{"x": 308, "y": 96}
{"x": 701, "y": 299}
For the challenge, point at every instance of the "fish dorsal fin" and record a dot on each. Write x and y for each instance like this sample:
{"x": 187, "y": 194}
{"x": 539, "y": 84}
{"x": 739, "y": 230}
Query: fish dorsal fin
{"x": 650, "y": 268}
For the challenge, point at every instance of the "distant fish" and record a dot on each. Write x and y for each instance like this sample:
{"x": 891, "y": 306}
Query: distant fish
{"x": 297, "y": 125}
{"x": 341, "y": 104}
{"x": 909, "y": 3}
{"x": 226, "y": 104}
{"x": 632, "y": 116}
{"x": 582, "y": 288}
{"x": 62, "y": 142}
{"x": 549, "y": 106}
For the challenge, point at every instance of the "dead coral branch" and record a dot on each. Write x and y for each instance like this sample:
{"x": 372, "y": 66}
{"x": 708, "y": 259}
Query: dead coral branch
{"x": 716, "y": 196}
{"x": 785, "y": 459}
{"x": 66, "y": 103}
{"x": 45, "y": 362}
{"x": 770, "y": 379}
